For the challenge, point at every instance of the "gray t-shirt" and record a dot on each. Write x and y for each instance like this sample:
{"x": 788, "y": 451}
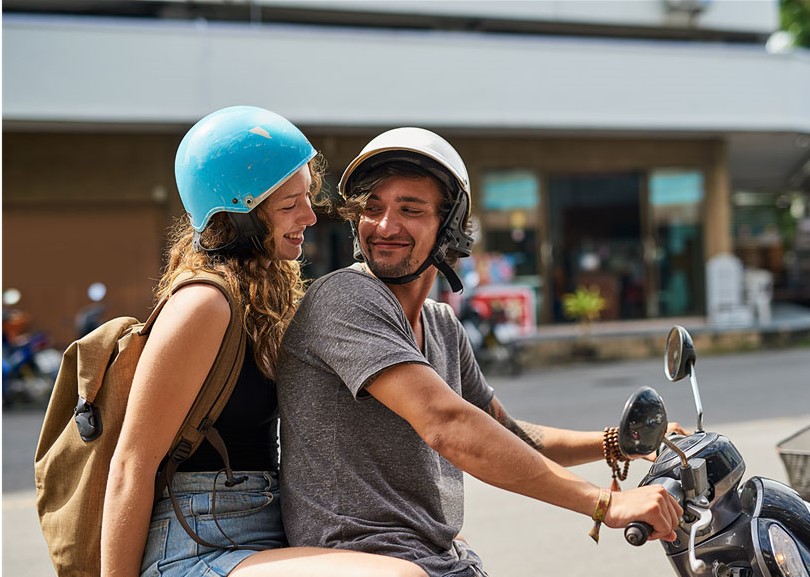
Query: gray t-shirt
{"x": 355, "y": 475}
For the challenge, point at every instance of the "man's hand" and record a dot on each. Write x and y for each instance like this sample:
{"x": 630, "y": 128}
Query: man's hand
{"x": 676, "y": 429}
{"x": 651, "y": 504}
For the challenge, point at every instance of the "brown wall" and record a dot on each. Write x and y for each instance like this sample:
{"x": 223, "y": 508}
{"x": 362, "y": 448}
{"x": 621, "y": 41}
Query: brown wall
{"x": 53, "y": 256}
{"x": 86, "y": 207}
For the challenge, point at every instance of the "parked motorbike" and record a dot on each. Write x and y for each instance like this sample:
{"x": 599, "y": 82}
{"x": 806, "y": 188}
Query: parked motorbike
{"x": 30, "y": 366}
{"x": 494, "y": 340}
{"x": 759, "y": 529}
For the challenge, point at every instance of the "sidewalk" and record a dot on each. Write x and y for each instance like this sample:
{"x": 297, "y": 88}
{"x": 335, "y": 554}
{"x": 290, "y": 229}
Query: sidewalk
{"x": 517, "y": 537}
{"x": 612, "y": 340}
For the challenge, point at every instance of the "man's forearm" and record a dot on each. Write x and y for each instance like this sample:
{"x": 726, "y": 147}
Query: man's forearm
{"x": 476, "y": 443}
{"x": 529, "y": 433}
{"x": 566, "y": 447}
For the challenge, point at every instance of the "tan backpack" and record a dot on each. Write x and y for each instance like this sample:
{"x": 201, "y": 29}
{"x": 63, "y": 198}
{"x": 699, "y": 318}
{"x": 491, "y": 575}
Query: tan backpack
{"x": 77, "y": 440}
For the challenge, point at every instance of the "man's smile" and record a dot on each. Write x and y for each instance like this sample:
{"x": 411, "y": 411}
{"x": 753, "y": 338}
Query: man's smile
{"x": 389, "y": 244}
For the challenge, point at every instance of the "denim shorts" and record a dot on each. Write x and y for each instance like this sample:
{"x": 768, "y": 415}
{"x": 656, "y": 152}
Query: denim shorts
{"x": 248, "y": 513}
{"x": 476, "y": 567}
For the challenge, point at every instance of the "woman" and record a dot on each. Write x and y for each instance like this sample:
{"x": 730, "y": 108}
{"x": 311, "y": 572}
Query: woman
{"x": 246, "y": 177}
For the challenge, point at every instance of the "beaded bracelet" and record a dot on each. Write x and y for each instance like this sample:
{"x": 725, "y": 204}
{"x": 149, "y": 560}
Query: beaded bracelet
{"x": 599, "y": 513}
{"x": 613, "y": 456}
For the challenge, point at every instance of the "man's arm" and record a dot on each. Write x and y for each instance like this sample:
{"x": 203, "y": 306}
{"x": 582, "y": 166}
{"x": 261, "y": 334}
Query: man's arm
{"x": 568, "y": 448}
{"x": 474, "y": 442}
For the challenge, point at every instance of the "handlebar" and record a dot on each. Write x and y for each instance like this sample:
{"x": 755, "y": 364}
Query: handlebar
{"x": 637, "y": 533}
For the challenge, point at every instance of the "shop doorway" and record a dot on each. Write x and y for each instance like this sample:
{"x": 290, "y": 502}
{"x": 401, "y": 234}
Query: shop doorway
{"x": 595, "y": 228}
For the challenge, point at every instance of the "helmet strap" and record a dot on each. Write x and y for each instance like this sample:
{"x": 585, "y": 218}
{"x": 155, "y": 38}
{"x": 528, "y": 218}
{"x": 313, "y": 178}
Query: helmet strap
{"x": 436, "y": 259}
{"x": 410, "y": 277}
{"x": 250, "y": 235}
{"x": 452, "y": 278}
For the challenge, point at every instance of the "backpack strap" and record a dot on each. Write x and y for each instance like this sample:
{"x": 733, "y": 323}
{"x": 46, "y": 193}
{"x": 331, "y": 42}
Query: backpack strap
{"x": 211, "y": 400}
{"x": 221, "y": 380}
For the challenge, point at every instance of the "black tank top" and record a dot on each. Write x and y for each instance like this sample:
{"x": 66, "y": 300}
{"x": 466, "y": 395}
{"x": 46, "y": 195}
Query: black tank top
{"x": 248, "y": 425}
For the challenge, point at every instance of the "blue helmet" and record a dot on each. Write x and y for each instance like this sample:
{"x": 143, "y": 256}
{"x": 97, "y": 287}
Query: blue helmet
{"x": 233, "y": 159}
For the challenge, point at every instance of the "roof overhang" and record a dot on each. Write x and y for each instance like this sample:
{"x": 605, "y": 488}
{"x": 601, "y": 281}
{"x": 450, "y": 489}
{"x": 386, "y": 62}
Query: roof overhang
{"x": 142, "y": 74}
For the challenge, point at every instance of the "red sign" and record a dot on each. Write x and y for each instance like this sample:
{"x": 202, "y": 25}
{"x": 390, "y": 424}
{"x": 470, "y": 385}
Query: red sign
{"x": 515, "y": 303}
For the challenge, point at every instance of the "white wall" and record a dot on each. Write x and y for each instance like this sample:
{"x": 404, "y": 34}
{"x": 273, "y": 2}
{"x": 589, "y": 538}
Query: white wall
{"x": 117, "y": 70}
{"x": 759, "y": 16}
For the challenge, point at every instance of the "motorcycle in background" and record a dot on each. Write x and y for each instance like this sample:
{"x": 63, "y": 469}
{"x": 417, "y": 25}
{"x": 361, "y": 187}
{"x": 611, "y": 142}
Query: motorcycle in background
{"x": 91, "y": 316}
{"x": 30, "y": 362}
{"x": 493, "y": 338}
{"x": 758, "y": 529}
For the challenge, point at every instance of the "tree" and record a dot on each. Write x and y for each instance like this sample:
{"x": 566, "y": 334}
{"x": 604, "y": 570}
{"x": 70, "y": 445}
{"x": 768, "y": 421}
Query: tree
{"x": 795, "y": 16}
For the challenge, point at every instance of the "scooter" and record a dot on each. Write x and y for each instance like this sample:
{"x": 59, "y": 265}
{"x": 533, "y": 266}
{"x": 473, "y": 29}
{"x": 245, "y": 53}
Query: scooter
{"x": 759, "y": 529}
{"x": 30, "y": 366}
{"x": 494, "y": 340}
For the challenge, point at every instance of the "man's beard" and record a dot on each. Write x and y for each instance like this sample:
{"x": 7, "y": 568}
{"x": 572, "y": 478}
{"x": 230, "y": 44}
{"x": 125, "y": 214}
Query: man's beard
{"x": 396, "y": 270}
{"x": 399, "y": 269}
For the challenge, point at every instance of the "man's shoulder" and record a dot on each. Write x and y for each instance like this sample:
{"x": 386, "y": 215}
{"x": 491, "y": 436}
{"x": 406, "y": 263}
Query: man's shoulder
{"x": 345, "y": 274}
{"x": 439, "y": 314}
{"x": 344, "y": 283}
{"x": 331, "y": 283}
{"x": 439, "y": 309}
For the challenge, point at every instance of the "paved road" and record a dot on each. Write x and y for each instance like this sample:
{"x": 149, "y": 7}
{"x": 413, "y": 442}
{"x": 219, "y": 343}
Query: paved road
{"x": 756, "y": 399}
{"x": 518, "y": 537}
{"x": 735, "y": 387}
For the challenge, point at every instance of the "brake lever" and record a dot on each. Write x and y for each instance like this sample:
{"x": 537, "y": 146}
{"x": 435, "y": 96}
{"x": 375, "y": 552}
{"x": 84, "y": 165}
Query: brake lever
{"x": 705, "y": 519}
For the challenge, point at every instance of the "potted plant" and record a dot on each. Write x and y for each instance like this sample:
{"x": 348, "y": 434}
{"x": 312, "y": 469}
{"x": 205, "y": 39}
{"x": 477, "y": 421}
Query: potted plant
{"x": 584, "y": 305}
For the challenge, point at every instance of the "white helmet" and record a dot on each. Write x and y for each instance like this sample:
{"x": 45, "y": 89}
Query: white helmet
{"x": 434, "y": 154}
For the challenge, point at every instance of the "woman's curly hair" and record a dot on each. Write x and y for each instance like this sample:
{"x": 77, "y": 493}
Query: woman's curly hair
{"x": 270, "y": 292}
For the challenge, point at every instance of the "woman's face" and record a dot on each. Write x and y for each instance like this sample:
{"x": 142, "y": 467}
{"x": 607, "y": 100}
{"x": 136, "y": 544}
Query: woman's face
{"x": 288, "y": 212}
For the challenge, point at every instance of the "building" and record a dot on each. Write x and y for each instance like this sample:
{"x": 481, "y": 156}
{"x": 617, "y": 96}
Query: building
{"x": 608, "y": 141}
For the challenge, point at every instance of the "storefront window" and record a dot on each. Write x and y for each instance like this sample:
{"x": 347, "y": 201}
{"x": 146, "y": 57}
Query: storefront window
{"x": 510, "y": 203}
{"x": 676, "y": 205}
{"x": 763, "y": 227}
{"x": 509, "y": 264}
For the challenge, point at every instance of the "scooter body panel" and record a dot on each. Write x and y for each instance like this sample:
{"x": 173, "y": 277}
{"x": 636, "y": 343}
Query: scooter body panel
{"x": 766, "y": 502}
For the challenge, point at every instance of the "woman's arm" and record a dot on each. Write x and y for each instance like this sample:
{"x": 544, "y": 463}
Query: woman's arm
{"x": 176, "y": 359}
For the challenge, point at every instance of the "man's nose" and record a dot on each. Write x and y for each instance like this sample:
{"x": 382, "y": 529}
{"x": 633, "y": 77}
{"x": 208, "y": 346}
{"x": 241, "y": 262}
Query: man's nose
{"x": 388, "y": 223}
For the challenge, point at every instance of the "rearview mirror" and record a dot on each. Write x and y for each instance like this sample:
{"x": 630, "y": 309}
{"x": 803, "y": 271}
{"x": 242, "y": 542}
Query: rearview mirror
{"x": 644, "y": 423}
{"x": 679, "y": 356}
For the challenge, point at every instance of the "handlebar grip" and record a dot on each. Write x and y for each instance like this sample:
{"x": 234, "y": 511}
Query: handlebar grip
{"x": 637, "y": 533}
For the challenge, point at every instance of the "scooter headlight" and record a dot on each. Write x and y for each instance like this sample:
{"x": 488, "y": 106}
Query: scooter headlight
{"x": 786, "y": 553}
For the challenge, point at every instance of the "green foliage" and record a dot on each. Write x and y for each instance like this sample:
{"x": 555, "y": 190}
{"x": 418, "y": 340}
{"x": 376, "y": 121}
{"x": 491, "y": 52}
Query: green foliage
{"x": 583, "y": 305}
{"x": 795, "y": 16}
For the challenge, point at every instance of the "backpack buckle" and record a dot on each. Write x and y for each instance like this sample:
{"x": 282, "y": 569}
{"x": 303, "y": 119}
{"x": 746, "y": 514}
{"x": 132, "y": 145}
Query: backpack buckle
{"x": 88, "y": 420}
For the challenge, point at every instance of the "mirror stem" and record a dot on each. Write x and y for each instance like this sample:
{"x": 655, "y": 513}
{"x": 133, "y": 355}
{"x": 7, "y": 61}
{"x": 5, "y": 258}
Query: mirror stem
{"x": 696, "y": 394}
{"x": 677, "y": 451}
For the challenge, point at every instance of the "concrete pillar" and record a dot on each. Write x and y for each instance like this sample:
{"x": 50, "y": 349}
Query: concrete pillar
{"x": 717, "y": 225}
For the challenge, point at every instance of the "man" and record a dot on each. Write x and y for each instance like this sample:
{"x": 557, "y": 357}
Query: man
{"x": 382, "y": 403}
